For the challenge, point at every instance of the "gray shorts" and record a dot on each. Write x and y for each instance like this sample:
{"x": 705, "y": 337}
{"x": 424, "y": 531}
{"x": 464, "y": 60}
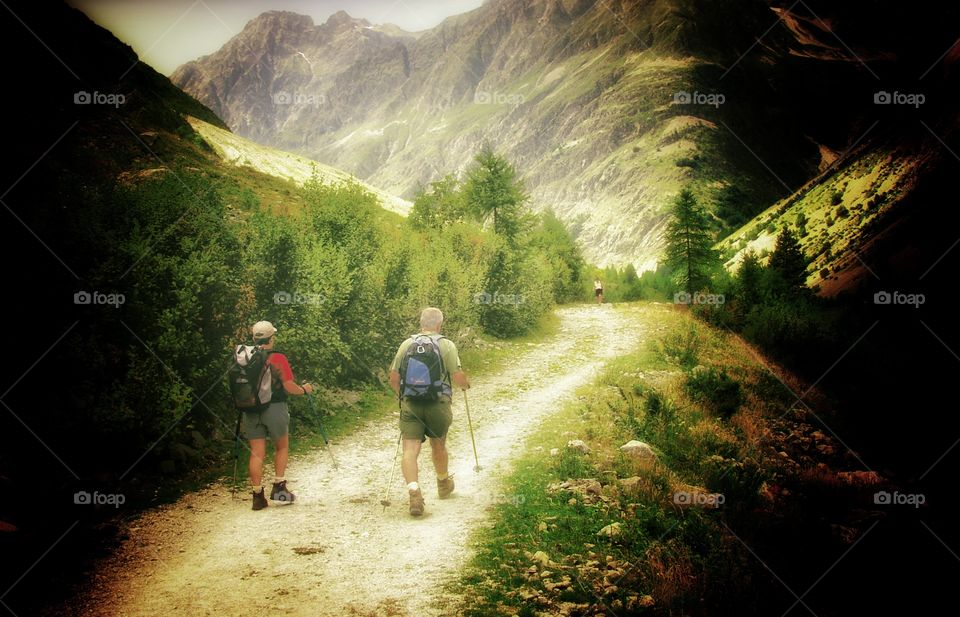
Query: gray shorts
{"x": 274, "y": 421}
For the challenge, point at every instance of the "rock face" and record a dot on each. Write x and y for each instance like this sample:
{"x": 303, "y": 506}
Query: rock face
{"x": 597, "y": 103}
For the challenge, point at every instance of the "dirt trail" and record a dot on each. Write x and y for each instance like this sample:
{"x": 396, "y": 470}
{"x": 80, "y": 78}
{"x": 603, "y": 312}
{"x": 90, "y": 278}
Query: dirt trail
{"x": 335, "y": 551}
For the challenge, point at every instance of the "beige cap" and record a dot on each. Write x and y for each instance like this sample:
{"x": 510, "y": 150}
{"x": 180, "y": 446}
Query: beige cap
{"x": 263, "y": 330}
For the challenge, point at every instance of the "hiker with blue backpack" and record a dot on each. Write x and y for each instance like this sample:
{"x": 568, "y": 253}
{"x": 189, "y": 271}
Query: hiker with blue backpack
{"x": 423, "y": 373}
{"x": 260, "y": 381}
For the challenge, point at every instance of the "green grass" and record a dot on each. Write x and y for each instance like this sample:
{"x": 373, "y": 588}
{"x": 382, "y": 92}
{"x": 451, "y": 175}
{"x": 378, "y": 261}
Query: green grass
{"x": 494, "y": 356}
{"x": 676, "y": 559}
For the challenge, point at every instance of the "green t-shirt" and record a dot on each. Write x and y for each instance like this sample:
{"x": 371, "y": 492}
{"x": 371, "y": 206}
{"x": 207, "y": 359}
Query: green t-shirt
{"x": 448, "y": 353}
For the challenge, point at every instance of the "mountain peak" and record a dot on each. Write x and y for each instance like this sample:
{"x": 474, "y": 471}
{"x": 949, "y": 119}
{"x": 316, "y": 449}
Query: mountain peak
{"x": 342, "y": 19}
{"x": 283, "y": 20}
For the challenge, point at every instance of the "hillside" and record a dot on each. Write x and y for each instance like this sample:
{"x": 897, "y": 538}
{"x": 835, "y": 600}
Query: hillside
{"x": 244, "y": 153}
{"x": 841, "y": 215}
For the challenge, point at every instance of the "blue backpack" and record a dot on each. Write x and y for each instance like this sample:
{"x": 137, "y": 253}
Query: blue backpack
{"x": 422, "y": 372}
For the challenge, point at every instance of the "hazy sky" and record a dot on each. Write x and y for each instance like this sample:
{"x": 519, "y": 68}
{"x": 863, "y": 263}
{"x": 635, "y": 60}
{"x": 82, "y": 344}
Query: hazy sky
{"x": 167, "y": 33}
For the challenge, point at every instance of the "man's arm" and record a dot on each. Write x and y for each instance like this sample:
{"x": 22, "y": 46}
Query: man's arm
{"x": 292, "y": 388}
{"x": 395, "y": 382}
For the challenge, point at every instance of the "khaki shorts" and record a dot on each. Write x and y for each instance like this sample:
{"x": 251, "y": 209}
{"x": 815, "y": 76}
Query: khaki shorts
{"x": 274, "y": 421}
{"x": 422, "y": 420}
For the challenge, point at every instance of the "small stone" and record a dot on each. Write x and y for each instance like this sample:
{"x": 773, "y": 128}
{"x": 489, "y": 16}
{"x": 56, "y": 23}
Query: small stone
{"x": 578, "y": 445}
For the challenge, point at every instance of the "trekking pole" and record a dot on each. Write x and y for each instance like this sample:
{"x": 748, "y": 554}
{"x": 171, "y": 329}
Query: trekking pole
{"x": 323, "y": 433}
{"x": 472, "y": 438}
{"x": 236, "y": 454}
{"x": 393, "y": 467}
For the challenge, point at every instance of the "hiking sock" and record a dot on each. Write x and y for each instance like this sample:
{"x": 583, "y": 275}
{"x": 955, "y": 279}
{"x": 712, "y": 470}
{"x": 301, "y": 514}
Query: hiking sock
{"x": 257, "y": 489}
{"x": 413, "y": 486}
{"x": 279, "y": 479}
{"x": 443, "y": 476}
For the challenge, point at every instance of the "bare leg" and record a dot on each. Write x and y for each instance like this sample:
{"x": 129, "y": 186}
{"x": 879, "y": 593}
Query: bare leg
{"x": 258, "y": 451}
{"x": 438, "y": 450}
{"x": 282, "y": 446}
{"x": 411, "y": 450}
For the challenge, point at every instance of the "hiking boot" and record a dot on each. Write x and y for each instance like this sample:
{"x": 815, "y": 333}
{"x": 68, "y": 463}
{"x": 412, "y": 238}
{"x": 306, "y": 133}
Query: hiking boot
{"x": 416, "y": 503}
{"x": 445, "y": 487}
{"x": 280, "y": 493}
{"x": 259, "y": 501}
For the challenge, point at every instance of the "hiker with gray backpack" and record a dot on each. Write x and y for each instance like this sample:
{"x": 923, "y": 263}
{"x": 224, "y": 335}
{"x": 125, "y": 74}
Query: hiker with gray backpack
{"x": 260, "y": 380}
{"x": 423, "y": 373}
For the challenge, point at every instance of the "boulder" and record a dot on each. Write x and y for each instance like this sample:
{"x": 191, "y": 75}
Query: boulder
{"x": 639, "y": 450}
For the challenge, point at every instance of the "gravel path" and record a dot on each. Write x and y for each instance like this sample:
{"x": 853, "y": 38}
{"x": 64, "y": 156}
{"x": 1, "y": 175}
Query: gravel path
{"x": 336, "y": 551}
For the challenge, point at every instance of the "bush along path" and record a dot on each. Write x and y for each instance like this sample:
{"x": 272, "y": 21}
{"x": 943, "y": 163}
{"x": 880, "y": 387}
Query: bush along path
{"x": 336, "y": 550}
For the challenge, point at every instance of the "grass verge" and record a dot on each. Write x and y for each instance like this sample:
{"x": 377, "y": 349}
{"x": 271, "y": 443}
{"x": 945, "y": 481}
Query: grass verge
{"x": 665, "y": 530}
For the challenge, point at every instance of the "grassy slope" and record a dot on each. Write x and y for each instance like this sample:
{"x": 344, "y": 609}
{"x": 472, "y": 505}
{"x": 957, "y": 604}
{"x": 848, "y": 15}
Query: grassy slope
{"x": 842, "y": 208}
{"x": 247, "y": 154}
{"x": 542, "y": 551}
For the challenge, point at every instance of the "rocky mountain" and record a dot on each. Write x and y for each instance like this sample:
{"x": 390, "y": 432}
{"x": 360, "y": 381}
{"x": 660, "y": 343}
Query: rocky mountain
{"x": 608, "y": 108}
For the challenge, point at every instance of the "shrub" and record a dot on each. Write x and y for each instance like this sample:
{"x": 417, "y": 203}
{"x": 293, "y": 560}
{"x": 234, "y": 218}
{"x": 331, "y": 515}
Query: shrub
{"x": 715, "y": 389}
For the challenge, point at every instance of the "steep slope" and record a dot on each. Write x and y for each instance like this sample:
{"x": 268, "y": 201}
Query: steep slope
{"x": 247, "y": 154}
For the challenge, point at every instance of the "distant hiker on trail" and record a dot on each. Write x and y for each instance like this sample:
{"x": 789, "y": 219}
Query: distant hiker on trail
{"x": 598, "y": 291}
{"x": 274, "y": 420}
{"x": 423, "y": 373}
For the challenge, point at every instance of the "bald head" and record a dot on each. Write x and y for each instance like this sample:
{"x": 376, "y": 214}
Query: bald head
{"x": 431, "y": 319}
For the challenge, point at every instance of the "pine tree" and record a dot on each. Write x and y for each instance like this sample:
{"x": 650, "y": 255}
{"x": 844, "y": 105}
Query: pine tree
{"x": 689, "y": 246}
{"x": 493, "y": 191}
{"x": 749, "y": 279}
{"x": 789, "y": 264}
